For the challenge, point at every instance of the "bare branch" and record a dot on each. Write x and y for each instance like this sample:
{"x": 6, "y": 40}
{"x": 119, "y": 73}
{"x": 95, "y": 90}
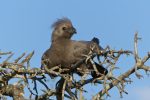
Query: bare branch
{"x": 20, "y": 68}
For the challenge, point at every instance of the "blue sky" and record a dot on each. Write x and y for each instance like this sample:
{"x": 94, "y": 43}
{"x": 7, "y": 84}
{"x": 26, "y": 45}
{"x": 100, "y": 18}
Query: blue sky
{"x": 25, "y": 25}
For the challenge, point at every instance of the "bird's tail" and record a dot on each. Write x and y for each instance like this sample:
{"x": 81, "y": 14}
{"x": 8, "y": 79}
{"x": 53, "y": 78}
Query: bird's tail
{"x": 96, "y": 40}
{"x": 101, "y": 69}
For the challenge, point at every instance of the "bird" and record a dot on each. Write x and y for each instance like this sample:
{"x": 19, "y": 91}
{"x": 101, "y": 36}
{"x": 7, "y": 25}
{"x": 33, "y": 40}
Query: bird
{"x": 65, "y": 52}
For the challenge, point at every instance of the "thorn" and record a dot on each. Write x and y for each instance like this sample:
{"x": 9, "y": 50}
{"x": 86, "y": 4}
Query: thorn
{"x": 139, "y": 76}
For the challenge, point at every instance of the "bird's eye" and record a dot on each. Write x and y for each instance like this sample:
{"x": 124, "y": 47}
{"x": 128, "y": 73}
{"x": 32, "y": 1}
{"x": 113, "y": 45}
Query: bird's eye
{"x": 64, "y": 28}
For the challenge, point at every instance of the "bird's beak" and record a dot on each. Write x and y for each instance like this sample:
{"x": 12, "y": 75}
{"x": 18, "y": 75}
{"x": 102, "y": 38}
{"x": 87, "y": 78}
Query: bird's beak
{"x": 74, "y": 30}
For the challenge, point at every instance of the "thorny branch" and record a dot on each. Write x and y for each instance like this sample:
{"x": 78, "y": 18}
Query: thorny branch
{"x": 140, "y": 64}
{"x": 20, "y": 68}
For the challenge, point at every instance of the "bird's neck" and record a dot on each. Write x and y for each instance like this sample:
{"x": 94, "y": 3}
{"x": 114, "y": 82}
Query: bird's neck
{"x": 61, "y": 38}
{"x": 61, "y": 41}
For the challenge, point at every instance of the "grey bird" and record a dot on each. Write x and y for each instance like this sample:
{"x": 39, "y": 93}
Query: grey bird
{"x": 66, "y": 52}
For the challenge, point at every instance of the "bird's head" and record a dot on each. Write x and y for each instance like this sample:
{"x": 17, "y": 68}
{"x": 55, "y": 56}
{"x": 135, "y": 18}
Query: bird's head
{"x": 63, "y": 29}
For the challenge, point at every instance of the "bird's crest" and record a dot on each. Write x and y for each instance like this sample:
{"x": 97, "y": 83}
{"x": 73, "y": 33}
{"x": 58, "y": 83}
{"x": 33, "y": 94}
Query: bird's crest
{"x": 61, "y": 21}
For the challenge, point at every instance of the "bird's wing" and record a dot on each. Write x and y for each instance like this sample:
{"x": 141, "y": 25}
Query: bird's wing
{"x": 50, "y": 59}
{"x": 84, "y": 47}
{"x": 80, "y": 48}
